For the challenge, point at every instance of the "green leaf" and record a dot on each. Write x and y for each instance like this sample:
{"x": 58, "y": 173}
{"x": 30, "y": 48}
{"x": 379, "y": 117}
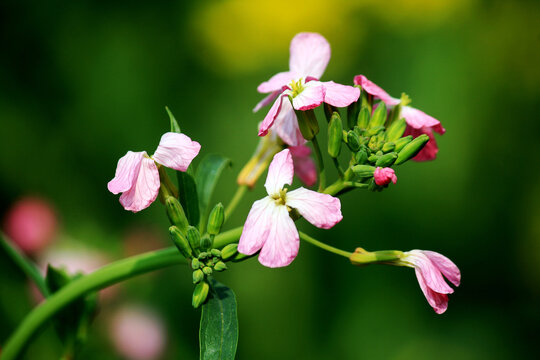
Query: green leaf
{"x": 207, "y": 177}
{"x": 174, "y": 124}
{"x": 187, "y": 190}
{"x": 218, "y": 335}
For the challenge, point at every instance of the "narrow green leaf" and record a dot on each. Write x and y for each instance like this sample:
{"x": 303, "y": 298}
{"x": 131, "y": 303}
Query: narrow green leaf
{"x": 207, "y": 177}
{"x": 174, "y": 124}
{"x": 187, "y": 190}
{"x": 218, "y": 335}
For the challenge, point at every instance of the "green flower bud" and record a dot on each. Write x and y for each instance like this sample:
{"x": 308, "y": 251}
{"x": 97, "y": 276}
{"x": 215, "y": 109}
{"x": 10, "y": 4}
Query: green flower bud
{"x": 176, "y": 214}
{"x": 198, "y": 276}
{"x": 203, "y": 255}
{"x": 220, "y": 266}
{"x": 215, "y": 219}
{"x": 194, "y": 238}
{"x": 195, "y": 264}
{"x": 361, "y": 156}
{"x": 307, "y": 122}
{"x": 363, "y": 118}
{"x": 335, "y": 131}
{"x": 396, "y": 130}
{"x": 400, "y": 143}
{"x": 229, "y": 251}
{"x": 363, "y": 171}
{"x": 207, "y": 270}
{"x": 379, "y": 116}
{"x": 352, "y": 114}
{"x": 373, "y": 158}
{"x": 215, "y": 252}
{"x": 240, "y": 257}
{"x": 329, "y": 110}
{"x": 373, "y": 144}
{"x": 206, "y": 242}
{"x": 374, "y": 130}
{"x": 353, "y": 141}
{"x": 387, "y": 159}
{"x": 180, "y": 242}
{"x": 200, "y": 294}
{"x": 366, "y": 101}
{"x": 411, "y": 149}
{"x": 389, "y": 146}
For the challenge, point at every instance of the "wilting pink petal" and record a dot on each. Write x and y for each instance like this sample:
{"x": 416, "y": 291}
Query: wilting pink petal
{"x": 322, "y": 210}
{"x": 286, "y": 125}
{"x": 144, "y": 190}
{"x": 281, "y": 243}
{"x": 340, "y": 95}
{"x": 304, "y": 167}
{"x": 445, "y": 266}
{"x": 310, "y": 53}
{"x": 126, "y": 172}
{"x": 375, "y": 90}
{"x": 266, "y": 101}
{"x": 430, "y": 150}
{"x": 270, "y": 117}
{"x": 418, "y": 119}
{"x": 430, "y": 273}
{"x": 383, "y": 176}
{"x": 439, "y": 302}
{"x": 276, "y": 82}
{"x": 280, "y": 172}
{"x": 176, "y": 151}
{"x": 257, "y": 226}
{"x": 310, "y": 97}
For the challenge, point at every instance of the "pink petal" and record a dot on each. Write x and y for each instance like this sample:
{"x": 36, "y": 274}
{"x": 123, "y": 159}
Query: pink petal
{"x": 304, "y": 167}
{"x": 257, "y": 226}
{"x": 418, "y": 119}
{"x": 286, "y": 125}
{"x": 276, "y": 82}
{"x": 310, "y": 97}
{"x": 430, "y": 150}
{"x": 280, "y": 172}
{"x": 445, "y": 266}
{"x": 145, "y": 188}
{"x": 270, "y": 117}
{"x": 266, "y": 101}
{"x": 430, "y": 273}
{"x": 375, "y": 90}
{"x": 126, "y": 172}
{"x": 282, "y": 242}
{"x": 439, "y": 302}
{"x": 340, "y": 95}
{"x": 383, "y": 176}
{"x": 310, "y": 53}
{"x": 176, "y": 151}
{"x": 322, "y": 210}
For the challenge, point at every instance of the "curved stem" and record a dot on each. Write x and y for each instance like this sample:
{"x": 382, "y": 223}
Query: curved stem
{"x": 99, "y": 279}
{"x": 25, "y": 264}
{"x": 320, "y": 162}
{"x": 324, "y": 246}
{"x": 238, "y": 195}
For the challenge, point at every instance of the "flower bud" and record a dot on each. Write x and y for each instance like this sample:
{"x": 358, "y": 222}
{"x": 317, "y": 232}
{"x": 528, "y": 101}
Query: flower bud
{"x": 363, "y": 170}
{"x": 352, "y": 114}
{"x": 176, "y": 214}
{"x": 412, "y": 149}
{"x": 206, "y": 242}
{"x": 335, "y": 135}
{"x": 215, "y": 252}
{"x": 400, "y": 143}
{"x": 307, "y": 122}
{"x": 220, "y": 266}
{"x": 329, "y": 110}
{"x": 361, "y": 156}
{"x": 240, "y": 257}
{"x": 195, "y": 264}
{"x": 383, "y": 176}
{"x": 387, "y": 159}
{"x": 379, "y": 116}
{"x": 180, "y": 242}
{"x": 389, "y": 146}
{"x": 363, "y": 118}
{"x": 194, "y": 238}
{"x": 207, "y": 270}
{"x": 396, "y": 130}
{"x": 229, "y": 251}
{"x": 203, "y": 255}
{"x": 353, "y": 141}
{"x": 198, "y": 276}
{"x": 215, "y": 219}
{"x": 366, "y": 101}
{"x": 200, "y": 294}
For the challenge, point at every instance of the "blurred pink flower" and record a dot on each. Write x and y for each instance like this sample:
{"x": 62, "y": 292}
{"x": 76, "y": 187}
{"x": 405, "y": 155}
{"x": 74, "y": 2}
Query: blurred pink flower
{"x": 138, "y": 333}
{"x": 309, "y": 56}
{"x": 304, "y": 167}
{"x": 383, "y": 176}
{"x": 418, "y": 122}
{"x": 137, "y": 176}
{"x": 31, "y": 223}
{"x": 269, "y": 227}
{"x": 430, "y": 268}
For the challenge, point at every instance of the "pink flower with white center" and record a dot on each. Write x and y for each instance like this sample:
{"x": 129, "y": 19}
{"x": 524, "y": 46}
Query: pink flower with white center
{"x": 137, "y": 176}
{"x": 270, "y": 229}
{"x": 418, "y": 122}
{"x": 383, "y": 176}
{"x": 310, "y": 53}
{"x": 430, "y": 268}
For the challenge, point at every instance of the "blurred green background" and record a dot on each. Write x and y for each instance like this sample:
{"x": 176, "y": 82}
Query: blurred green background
{"x": 83, "y": 82}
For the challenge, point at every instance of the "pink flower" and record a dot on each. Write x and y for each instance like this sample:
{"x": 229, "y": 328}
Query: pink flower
{"x": 418, "y": 122}
{"x": 270, "y": 229}
{"x": 383, "y": 176}
{"x": 137, "y": 176}
{"x": 310, "y": 53}
{"x": 430, "y": 268}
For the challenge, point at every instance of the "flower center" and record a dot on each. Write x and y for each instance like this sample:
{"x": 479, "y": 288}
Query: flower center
{"x": 280, "y": 198}
{"x": 297, "y": 87}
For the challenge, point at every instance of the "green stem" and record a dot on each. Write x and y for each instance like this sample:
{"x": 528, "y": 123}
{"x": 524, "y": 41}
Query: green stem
{"x": 338, "y": 167}
{"x": 99, "y": 279}
{"x": 238, "y": 195}
{"x": 320, "y": 162}
{"x": 324, "y": 246}
{"x": 25, "y": 264}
